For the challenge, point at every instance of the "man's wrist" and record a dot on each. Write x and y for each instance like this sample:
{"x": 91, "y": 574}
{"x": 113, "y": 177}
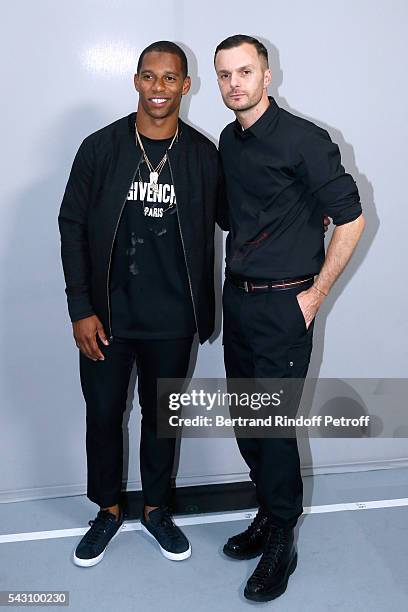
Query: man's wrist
{"x": 321, "y": 292}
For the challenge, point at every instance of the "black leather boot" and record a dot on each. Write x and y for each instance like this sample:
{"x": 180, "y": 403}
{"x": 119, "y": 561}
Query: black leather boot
{"x": 250, "y": 543}
{"x": 278, "y": 562}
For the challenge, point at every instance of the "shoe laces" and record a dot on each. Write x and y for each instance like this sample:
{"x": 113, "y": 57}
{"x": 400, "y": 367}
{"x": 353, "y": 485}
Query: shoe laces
{"x": 99, "y": 527}
{"x": 259, "y": 517}
{"x": 167, "y": 524}
{"x": 274, "y": 546}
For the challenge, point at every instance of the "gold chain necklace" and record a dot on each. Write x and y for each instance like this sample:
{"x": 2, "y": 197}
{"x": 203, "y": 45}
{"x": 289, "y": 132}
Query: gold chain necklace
{"x": 154, "y": 172}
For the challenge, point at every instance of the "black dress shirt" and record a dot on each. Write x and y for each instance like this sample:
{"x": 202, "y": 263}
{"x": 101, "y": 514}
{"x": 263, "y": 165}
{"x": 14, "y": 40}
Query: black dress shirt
{"x": 282, "y": 175}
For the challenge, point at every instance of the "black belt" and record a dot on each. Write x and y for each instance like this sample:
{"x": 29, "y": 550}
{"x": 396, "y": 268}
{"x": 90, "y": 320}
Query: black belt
{"x": 262, "y": 285}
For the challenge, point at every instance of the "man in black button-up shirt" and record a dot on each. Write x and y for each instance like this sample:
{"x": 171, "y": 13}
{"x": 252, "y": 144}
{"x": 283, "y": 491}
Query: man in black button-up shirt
{"x": 283, "y": 174}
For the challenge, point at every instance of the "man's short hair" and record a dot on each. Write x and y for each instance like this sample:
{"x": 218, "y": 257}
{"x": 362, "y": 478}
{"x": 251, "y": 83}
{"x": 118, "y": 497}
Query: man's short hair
{"x": 239, "y": 39}
{"x": 165, "y": 46}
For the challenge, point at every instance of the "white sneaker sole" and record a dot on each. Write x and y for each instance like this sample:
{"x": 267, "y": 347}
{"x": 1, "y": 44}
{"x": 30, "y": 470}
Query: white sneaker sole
{"x": 95, "y": 560}
{"x": 166, "y": 553}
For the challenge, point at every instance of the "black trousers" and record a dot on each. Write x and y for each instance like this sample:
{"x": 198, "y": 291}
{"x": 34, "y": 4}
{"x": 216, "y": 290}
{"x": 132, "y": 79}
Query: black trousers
{"x": 105, "y": 386}
{"x": 265, "y": 336}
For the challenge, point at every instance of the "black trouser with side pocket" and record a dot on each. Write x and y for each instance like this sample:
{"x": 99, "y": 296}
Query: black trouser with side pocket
{"x": 265, "y": 336}
{"x": 105, "y": 387}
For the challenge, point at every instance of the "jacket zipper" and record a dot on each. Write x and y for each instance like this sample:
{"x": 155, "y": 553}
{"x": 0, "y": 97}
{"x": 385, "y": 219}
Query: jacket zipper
{"x": 182, "y": 243}
{"x": 111, "y": 251}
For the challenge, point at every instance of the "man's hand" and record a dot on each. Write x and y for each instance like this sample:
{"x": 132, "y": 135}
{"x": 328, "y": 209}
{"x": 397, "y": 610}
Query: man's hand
{"x": 309, "y": 303}
{"x": 310, "y": 300}
{"x": 85, "y": 331}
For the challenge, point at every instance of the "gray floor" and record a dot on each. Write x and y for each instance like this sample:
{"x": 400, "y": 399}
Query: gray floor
{"x": 351, "y": 560}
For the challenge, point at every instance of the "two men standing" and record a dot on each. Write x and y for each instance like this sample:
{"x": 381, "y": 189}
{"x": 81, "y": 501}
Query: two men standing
{"x": 137, "y": 244}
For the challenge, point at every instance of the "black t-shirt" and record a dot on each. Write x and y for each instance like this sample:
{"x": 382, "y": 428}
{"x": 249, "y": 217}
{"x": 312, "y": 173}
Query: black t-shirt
{"x": 150, "y": 292}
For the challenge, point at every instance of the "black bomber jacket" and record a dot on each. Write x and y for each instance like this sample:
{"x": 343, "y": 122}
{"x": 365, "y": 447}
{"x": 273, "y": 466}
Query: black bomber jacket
{"x": 102, "y": 173}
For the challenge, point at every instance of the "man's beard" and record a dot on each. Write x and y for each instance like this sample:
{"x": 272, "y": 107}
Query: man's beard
{"x": 253, "y": 101}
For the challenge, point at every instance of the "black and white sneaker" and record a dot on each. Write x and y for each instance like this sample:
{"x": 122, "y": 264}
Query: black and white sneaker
{"x": 171, "y": 540}
{"x": 91, "y": 548}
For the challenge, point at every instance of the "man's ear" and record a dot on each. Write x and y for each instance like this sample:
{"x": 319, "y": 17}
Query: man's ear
{"x": 136, "y": 81}
{"x": 267, "y": 77}
{"x": 186, "y": 86}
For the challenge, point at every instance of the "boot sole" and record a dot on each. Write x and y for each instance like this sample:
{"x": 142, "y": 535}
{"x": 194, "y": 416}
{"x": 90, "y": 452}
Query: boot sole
{"x": 95, "y": 560}
{"x": 278, "y": 591}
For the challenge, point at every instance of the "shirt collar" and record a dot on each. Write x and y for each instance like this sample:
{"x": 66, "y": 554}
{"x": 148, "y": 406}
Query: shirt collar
{"x": 258, "y": 128}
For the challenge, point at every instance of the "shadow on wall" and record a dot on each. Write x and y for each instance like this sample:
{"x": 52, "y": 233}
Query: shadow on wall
{"x": 219, "y": 237}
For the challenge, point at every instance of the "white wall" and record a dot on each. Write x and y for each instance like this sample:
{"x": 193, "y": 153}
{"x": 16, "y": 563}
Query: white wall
{"x": 67, "y": 70}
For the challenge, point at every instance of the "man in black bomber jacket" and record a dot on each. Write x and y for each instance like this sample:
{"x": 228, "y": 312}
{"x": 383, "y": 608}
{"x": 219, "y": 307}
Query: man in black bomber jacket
{"x": 137, "y": 246}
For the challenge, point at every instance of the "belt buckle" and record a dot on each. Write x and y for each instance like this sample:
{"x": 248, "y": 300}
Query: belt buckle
{"x": 246, "y": 287}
